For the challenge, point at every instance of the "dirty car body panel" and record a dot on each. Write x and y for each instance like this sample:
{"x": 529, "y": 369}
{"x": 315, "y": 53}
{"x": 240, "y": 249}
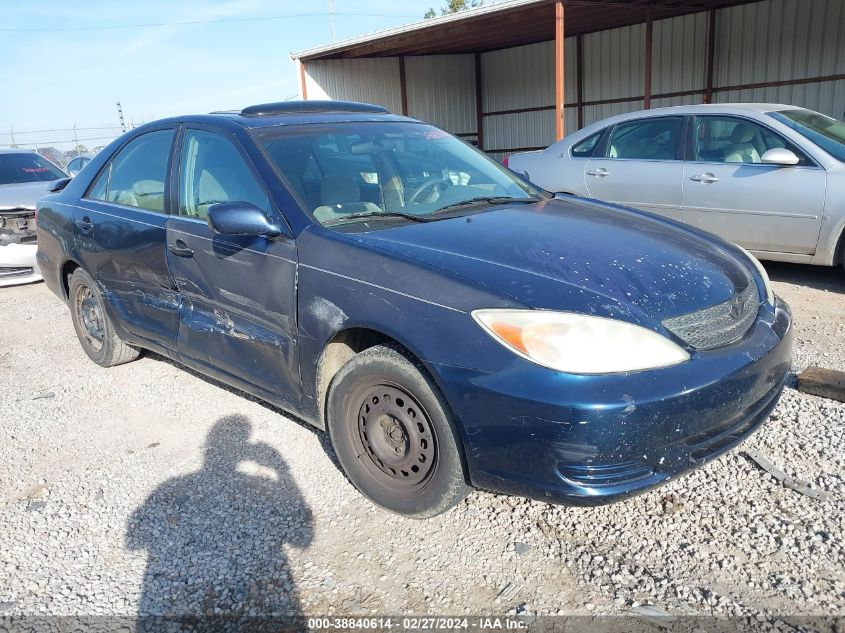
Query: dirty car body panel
{"x": 260, "y": 312}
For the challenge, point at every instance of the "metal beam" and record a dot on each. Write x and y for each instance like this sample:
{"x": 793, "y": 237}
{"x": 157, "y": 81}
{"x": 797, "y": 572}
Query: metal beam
{"x": 302, "y": 87}
{"x": 711, "y": 56}
{"x": 560, "y": 30}
{"x": 479, "y": 103}
{"x": 649, "y": 39}
{"x": 403, "y": 86}
{"x": 579, "y": 61}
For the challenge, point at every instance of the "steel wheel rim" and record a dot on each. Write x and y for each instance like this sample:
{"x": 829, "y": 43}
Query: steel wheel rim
{"x": 91, "y": 318}
{"x": 395, "y": 437}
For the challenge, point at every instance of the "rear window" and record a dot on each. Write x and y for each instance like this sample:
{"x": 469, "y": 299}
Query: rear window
{"x": 587, "y": 147}
{"x": 26, "y": 167}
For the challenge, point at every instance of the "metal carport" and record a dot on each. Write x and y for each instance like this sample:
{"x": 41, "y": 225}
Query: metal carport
{"x": 516, "y": 75}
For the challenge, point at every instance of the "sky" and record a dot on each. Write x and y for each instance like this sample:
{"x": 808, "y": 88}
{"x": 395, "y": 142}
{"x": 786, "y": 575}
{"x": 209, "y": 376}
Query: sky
{"x": 64, "y": 64}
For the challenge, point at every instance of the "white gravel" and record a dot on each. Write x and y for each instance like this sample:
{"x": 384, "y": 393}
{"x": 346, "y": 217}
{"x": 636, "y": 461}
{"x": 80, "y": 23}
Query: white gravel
{"x": 148, "y": 489}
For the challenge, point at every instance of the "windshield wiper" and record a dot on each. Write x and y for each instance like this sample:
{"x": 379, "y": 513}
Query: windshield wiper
{"x": 377, "y": 214}
{"x": 486, "y": 200}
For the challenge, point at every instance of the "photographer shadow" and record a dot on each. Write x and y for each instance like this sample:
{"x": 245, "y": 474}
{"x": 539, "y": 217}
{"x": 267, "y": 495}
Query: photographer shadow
{"x": 215, "y": 539}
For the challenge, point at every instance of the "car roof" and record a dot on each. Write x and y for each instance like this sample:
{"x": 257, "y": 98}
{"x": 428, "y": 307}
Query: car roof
{"x": 292, "y": 113}
{"x": 732, "y": 107}
{"x": 680, "y": 110}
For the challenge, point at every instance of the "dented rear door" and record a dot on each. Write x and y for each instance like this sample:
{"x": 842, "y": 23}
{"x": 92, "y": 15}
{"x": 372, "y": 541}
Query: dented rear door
{"x": 119, "y": 230}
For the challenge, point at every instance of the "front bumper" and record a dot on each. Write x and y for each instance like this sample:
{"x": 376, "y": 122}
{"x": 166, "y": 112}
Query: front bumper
{"x": 589, "y": 440}
{"x": 18, "y": 265}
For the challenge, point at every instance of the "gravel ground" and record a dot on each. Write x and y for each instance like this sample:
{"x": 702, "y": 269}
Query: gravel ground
{"x": 148, "y": 489}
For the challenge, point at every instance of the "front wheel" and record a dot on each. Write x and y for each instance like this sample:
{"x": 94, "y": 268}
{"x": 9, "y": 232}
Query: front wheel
{"x": 92, "y": 324}
{"x": 394, "y": 436}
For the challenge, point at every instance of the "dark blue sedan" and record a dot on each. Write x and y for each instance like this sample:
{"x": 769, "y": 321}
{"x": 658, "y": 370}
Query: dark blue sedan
{"x": 447, "y": 323}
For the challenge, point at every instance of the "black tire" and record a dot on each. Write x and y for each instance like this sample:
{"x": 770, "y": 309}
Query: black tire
{"x": 411, "y": 464}
{"x": 92, "y": 323}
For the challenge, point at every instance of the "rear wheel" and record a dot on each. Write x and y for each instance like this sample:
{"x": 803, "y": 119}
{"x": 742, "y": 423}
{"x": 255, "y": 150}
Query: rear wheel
{"x": 92, "y": 324}
{"x": 394, "y": 436}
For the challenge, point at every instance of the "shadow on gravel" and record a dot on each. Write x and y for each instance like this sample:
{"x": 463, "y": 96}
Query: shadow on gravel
{"x": 215, "y": 538}
{"x": 827, "y": 278}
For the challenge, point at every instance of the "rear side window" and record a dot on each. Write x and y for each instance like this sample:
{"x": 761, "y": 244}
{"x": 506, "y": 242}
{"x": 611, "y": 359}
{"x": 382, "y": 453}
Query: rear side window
{"x": 655, "y": 138}
{"x": 136, "y": 176}
{"x": 585, "y": 148}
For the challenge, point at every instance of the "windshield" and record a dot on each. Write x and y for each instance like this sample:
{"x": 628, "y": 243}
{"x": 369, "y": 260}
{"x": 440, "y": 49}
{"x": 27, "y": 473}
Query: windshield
{"x": 824, "y": 131}
{"x": 26, "y": 167}
{"x": 353, "y": 172}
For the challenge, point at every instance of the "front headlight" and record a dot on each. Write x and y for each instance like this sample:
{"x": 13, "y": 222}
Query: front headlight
{"x": 770, "y": 294}
{"x": 578, "y": 343}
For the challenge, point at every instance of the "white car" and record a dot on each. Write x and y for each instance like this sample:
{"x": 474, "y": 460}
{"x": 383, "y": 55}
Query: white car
{"x": 24, "y": 177}
{"x": 768, "y": 177}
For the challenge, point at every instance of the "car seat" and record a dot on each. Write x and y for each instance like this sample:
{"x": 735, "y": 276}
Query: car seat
{"x": 340, "y": 195}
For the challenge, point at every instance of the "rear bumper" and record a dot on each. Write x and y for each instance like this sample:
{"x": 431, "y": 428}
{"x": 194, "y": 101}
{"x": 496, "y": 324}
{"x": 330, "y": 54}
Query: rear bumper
{"x": 589, "y": 440}
{"x": 18, "y": 264}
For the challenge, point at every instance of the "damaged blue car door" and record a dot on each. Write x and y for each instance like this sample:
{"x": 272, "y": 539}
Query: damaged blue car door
{"x": 119, "y": 230}
{"x": 238, "y": 292}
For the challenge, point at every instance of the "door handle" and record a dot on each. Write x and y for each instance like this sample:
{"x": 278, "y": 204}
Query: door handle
{"x": 85, "y": 224}
{"x": 180, "y": 249}
{"x": 705, "y": 178}
{"x": 601, "y": 172}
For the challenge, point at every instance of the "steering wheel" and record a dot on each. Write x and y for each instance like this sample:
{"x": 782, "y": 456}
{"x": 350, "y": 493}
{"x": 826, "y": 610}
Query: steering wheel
{"x": 434, "y": 184}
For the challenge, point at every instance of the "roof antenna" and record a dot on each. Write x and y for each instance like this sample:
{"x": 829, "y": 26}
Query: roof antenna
{"x": 331, "y": 18}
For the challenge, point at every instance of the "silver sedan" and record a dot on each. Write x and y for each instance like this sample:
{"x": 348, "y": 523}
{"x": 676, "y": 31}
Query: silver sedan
{"x": 769, "y": 177}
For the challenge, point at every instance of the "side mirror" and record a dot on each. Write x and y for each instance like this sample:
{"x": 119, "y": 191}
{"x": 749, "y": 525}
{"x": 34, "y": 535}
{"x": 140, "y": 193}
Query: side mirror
{"x": 58, "y": 185}
{"x": 241, "y": 218}
{"x": 780, "y": 156}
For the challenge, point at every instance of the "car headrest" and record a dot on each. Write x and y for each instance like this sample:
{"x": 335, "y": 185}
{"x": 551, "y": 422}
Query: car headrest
{"x": 742, "y": 133}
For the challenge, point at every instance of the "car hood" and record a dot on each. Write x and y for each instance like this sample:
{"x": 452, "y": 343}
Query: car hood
{"x": 23, "y": 194}
{"x": 580, "y": 256}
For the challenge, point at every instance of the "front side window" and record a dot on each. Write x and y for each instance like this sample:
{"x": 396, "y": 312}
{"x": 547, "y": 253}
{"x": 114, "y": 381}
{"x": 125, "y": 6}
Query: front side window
{"x": 387, "y": 170}
{"x": 585, "y": 148}
{"x": 212, "y": 170}
{"x": 18, "y": 167}
{"x": 733, "y": 140}
{"x": 824, "y": 131}
{"x": 655, "y": 138}
{"x": 136, "y": 176}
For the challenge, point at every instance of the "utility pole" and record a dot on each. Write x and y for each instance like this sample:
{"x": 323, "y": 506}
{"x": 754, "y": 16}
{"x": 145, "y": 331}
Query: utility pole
{"x": 331, "y": 17}
{"x": 120, "y": 116}
{"x": 12, "y": 134}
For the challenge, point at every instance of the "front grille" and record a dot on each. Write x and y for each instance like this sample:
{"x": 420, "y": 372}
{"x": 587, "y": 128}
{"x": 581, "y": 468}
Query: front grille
{"x": 720, "y": 324}
{"x": 731, "y": 432}
{"x": 17, "y": 226}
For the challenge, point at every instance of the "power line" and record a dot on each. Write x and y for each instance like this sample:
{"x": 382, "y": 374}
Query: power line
{"x": 50, "y": 142}
{"x": 195, "y": 22}
{"x": 68, "y": 129}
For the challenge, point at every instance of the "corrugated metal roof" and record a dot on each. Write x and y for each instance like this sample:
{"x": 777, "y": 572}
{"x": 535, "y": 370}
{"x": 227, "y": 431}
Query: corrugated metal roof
{"x": 504, "y": 25}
